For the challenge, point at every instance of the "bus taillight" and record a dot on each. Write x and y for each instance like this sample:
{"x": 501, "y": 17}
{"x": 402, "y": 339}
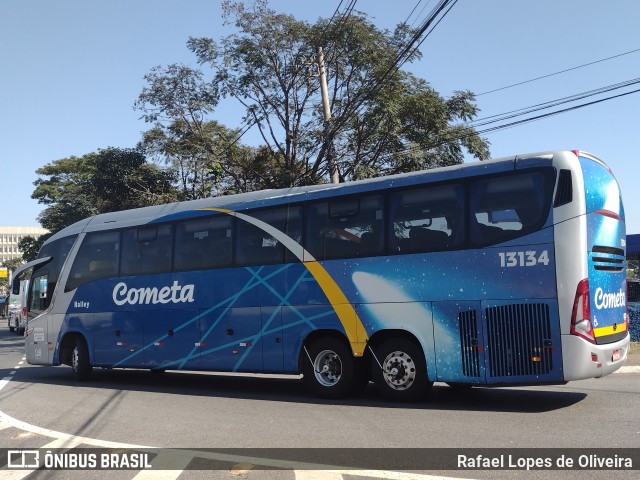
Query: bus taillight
{"x": 581, "y": 316}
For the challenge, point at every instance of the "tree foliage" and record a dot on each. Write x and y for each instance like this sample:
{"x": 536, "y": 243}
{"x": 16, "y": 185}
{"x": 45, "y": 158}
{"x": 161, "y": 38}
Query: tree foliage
{"x": 384, "y": 119}
{"x": 30, "y": 246}
{"x": 109, "y": 180}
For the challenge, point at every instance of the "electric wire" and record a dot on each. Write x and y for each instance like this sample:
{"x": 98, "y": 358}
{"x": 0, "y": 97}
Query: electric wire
{"x": 456, "y": 137}
{"x": 557, "y": 73}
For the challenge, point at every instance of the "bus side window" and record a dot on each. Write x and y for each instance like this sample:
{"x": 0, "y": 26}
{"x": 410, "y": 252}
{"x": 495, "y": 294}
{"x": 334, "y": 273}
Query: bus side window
{"x": 203, "y": 243}
{"x": 353, "y": 227}
{"x": 254, "y": 246}
{"x": 427, "y": 219}
{"x": 508, "y": 207}
{"x": 147, "y": 250}
{"x": 98, "y": 257}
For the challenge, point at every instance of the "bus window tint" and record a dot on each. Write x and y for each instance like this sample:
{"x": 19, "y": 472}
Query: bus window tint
{"x": 202, "y": 244}
{"x": 427, "y": 219}
{"x": 146, "y": 250}
{"x": 39, "y": 300}
{"x": 58, "y": 250}
{"x": 98, "y": 257}
{"x": 346, "y": 228}
{"x": 507, "y": 207}
{"x": 254, "y": 246}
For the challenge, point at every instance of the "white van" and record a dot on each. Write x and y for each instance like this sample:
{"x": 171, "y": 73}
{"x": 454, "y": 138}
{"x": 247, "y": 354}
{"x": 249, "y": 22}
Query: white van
{"x": 17, "y": 318}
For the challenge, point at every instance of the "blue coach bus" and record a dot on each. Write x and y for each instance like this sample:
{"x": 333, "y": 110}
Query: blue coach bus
{"x": 505, "y": 272}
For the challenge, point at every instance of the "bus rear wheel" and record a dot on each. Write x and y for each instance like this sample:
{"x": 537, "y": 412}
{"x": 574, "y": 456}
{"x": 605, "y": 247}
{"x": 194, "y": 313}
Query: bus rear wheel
{"x": 329, "y": 368}
{"x": 80, "y": 365}
{"x": 401, "y": 373}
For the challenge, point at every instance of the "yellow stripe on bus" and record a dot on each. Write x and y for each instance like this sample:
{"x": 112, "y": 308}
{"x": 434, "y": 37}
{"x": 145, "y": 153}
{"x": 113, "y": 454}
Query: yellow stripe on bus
{"x": 356, "y": 333}
{"x": 610, "y": 330}
{"x": 352, "y": 324}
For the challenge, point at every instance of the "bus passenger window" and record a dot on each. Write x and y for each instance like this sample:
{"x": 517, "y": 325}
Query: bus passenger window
{"x": 254, "y": 246}
{"x": 427, "y": 219}
{"x": 98, "y": 257}
{"x": 507, "y": 207}
{"x": 146, "y": 250}
{"x": 203, "y": 243}
{"x": 345, "y": 228}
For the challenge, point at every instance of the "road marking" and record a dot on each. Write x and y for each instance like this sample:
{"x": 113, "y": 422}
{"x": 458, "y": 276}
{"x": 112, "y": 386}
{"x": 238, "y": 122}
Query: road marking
{"x": 628, "y": 369}
{"x": 174, "y": 458}
{"x": 241, "y": 468}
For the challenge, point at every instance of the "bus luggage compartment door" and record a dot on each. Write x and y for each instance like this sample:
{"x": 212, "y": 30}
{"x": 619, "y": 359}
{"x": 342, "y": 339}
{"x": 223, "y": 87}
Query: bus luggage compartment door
{"x": 459, "y": 342}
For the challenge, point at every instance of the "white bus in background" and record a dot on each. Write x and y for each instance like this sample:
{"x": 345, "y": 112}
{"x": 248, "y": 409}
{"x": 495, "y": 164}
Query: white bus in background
{"x": 17, "y": 316}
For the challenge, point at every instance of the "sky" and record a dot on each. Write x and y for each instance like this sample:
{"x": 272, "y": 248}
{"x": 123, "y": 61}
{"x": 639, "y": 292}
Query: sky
{"x": 72, "y": 69}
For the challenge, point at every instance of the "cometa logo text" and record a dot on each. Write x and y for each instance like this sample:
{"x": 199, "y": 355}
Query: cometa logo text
{"x": 175, "y": 293}
{"x": 608, "y": 300}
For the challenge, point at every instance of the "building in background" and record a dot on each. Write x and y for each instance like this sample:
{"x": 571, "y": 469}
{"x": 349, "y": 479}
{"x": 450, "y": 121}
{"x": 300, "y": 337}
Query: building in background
{"x": 11, "y": 236}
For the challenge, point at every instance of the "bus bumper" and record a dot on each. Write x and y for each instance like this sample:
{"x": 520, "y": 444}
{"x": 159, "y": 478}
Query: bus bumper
{"x": 582, "y": 359}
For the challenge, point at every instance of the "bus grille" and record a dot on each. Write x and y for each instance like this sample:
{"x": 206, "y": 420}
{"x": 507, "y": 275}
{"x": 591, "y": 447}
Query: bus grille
{"x": 519, "y": 340}
{"x": 469, "y": 343}
{"x": 614, "y": 261}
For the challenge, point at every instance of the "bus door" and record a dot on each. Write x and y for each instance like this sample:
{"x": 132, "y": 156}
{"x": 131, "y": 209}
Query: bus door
{"x": 459, "y": 342}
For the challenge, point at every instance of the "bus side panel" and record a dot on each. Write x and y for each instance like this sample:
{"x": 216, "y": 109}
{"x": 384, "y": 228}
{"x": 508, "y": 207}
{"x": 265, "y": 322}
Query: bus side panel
{"x": 459, "y": 342}
{"x": 170, "y": 336}
{"x": 228, "y": 338}
{"x": 270, "y": 340}
{"x": 38, "y": 346}
{"x": 415, "y": 318}
{"x": 117, "y": 338}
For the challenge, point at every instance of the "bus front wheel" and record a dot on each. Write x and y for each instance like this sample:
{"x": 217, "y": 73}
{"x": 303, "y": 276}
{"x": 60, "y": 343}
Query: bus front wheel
{"x": 400, "y": 371}
{"x": 80, "y": 360}
{"x": 329, "y": 368}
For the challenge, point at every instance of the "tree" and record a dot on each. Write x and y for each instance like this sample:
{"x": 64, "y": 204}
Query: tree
{"x": 384, "y": 120}
{"x": 108, "y": 180}
{"x": 30, "y": 246}
{"x": 178, "y": 102}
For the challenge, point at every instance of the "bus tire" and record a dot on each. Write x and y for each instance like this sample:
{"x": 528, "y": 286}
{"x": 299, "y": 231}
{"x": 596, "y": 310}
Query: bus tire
{"x": 403, "y": 376}
{"x": 80, "y": 365}
{"x": 329, "y": 368}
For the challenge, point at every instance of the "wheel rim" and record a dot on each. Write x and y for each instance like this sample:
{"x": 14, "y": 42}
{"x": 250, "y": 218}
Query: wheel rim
{"x": 327, "y": 368}
{"x": 399, "y": 370}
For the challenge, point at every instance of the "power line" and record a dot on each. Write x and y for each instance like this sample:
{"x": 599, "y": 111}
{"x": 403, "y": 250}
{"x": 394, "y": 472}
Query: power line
{"x": 450, "y": 138}
{"x": 406, "y": 22}
{"x": 401, "y": 57}
{"x": 558, "y": 73}
{"x": 552, "y": 103}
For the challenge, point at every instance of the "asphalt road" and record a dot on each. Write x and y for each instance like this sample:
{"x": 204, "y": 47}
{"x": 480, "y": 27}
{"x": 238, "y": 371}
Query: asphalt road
{"x": 237, "y": 418}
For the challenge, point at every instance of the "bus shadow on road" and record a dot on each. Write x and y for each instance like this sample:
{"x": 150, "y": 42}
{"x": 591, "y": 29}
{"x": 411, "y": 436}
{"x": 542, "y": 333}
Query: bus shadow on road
{"x": 441, "y": 397}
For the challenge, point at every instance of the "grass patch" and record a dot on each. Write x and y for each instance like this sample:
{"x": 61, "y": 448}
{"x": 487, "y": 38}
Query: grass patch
{"x": 635, "y": 348}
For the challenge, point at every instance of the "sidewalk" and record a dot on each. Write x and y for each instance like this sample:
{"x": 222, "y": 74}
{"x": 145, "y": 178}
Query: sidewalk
{"x": 633, "y": 359}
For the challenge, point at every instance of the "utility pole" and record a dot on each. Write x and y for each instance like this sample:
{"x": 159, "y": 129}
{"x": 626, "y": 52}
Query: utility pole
{"x": 331, "y": 161}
